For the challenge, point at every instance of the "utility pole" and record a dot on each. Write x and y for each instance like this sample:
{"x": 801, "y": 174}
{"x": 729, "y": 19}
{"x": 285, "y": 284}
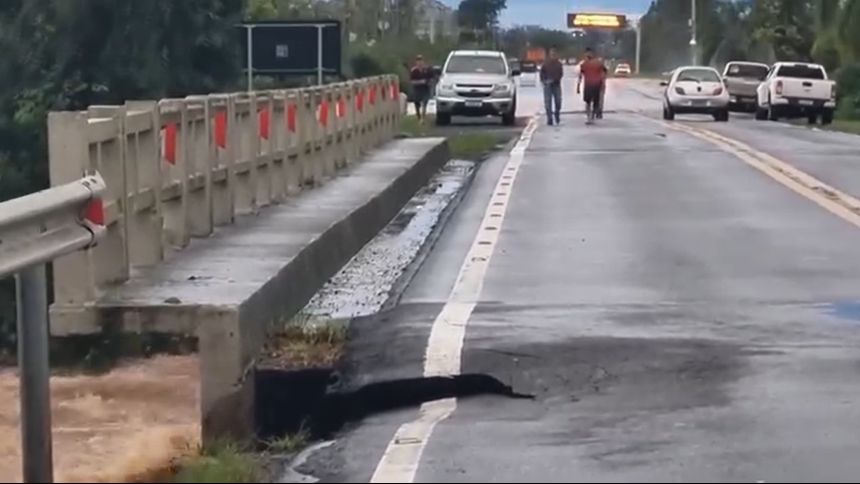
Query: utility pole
{"x": 639, "y": 45}
{"x": 694, "y": 43}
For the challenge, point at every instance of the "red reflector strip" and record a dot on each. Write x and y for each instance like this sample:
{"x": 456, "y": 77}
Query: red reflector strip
{"x": 324, "y": 113}
{"x": 221, "y": 129}
{"x": 169, "y": 143}
{"x": 264, "y": 123}
{"x": 292, "y": 111}
{"x": 95, "y": 212}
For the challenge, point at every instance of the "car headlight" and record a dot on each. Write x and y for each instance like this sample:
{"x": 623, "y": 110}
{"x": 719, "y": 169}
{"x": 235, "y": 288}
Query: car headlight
{"x": 445, "y": 89}
{"x": 502, "y": 89}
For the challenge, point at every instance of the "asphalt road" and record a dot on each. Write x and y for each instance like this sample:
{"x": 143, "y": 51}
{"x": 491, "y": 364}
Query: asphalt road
{"x": 678, "y": 314}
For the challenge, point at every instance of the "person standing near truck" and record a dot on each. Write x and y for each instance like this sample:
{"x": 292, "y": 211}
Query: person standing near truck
{"x": 420, "y": 77}
{"x": 551, "y": 74}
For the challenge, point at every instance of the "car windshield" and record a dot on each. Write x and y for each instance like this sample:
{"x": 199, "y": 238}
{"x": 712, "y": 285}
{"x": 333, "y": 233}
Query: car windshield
{"x": 698, "y": 75}
{"x": 801, "y": 71}
{"x": 475, "y": 64}
{"x": 747, "y": 71}
{"x": 529, "y": 67}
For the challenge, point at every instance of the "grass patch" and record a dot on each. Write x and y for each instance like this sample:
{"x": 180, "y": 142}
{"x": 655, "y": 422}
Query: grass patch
{"x": 472, "y": 146}
{"x": 846, "y": 126}
{"x": 306, "y": 343}
{"x": 412, "y": 127}
{"x": 290, "y": 444}
{"x": 223, "y": 462}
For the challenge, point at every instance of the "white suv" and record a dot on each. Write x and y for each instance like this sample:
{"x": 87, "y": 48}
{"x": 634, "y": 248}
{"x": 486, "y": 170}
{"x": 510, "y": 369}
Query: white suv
{"x": 476, "y": 83}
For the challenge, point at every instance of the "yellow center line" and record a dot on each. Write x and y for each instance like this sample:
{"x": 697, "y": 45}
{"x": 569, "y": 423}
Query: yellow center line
{"x": 833, "y": 200}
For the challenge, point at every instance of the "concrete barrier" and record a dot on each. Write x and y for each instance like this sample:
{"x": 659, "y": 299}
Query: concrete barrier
{"x": 178, "y": 168}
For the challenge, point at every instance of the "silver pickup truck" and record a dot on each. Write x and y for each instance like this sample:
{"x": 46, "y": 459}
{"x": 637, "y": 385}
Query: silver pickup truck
{"x": 742, "y": 80}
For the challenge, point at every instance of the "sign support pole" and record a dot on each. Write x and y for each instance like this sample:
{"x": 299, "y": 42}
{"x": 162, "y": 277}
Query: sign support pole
{"x": 320, "y": 55}
{"x": 34, "y": 366}
{"x": 250, "y": 58}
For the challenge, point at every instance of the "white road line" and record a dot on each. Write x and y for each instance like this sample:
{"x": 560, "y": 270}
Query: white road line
{"x": 445, "y": 346}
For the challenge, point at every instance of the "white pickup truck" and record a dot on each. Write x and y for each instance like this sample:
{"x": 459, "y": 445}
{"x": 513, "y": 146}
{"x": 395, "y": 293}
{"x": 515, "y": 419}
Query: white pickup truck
{"x": 796, "y": 90}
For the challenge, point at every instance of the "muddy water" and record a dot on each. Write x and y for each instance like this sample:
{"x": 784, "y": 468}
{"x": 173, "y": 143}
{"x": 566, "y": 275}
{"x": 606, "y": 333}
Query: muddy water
{"x": 119, "y": 427}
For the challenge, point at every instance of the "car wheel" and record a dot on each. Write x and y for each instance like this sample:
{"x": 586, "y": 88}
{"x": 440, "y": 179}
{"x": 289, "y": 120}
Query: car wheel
{"x": 772, "y": 113}
{"x": 668, "y": 114}
{"x": 722, "y": 116}
{"x": 827, "y": 117}
{"x": 812, "y": 119}
{"x": 443, "y": 119}
{"x": 760, "y": 114}
{"x": 509, "y": 119}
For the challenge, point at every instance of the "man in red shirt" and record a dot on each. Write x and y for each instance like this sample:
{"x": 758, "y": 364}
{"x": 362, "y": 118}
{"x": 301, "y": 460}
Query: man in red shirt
{"x": 593, "y": 72}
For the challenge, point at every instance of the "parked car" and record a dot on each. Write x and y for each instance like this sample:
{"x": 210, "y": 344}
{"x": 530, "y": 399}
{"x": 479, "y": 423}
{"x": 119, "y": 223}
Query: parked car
{"x": 695, "y": 90}
{"x": 742, "y": 80}
{"x": 623, "y": 70}
{"x": 796, "y": 90}
{"x": 476, "y": 83}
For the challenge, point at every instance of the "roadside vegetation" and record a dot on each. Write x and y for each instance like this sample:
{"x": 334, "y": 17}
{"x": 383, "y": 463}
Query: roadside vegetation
{"x": 823, "y": 31}
{"x": 468, "y": 144}
{"x": 305, "y": 342}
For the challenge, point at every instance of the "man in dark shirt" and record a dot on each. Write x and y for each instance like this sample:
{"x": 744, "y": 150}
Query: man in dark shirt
{"x": 551, "y": 73}
{"x": 421, "y": 77}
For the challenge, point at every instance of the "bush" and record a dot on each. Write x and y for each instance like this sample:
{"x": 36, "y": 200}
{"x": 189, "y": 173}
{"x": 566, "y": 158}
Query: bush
{"x": 394, "y": 57}
{"x": 848, "y": 87}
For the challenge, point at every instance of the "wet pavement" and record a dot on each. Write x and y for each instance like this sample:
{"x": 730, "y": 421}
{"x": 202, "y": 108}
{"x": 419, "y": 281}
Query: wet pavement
{"x": 679, "y": 316}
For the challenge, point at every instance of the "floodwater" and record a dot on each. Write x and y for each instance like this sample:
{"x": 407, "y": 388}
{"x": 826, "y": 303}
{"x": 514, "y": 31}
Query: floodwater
{"x": 128, "y": 425}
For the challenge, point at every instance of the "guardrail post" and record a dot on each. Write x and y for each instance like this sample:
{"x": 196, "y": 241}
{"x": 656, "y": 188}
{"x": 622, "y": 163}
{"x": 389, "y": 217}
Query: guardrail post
{"x": 278, "y": 162}
{"x": 307, "y": 135}
{"x": 293, "y": 149}
{"x": 76, "y": 279}
{"x": 223, "y": 164}
{"x": 262, "y": 148}
{"x": 199, "y": 159}
{"x": 35, "y": 375}
{"x": 143, "y": 170}
{"x": 246, "y": 139}
{"x": 174, "y": 118}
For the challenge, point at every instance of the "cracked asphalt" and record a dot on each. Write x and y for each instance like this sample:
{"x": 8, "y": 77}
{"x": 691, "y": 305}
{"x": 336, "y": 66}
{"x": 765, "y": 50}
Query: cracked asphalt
{"x": 680, "y": 316}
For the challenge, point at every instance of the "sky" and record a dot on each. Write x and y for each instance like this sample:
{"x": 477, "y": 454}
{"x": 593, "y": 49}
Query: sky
{"x": 552, "y": 13}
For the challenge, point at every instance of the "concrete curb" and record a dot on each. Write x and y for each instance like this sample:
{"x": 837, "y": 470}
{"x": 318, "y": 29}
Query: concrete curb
{"x": 228, "y": 396}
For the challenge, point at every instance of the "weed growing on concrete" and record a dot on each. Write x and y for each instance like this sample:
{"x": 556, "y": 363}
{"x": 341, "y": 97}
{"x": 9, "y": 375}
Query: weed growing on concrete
{"x": 306, "y": 342}
{"x": 222, "y": 462}
{"x": 290, "y": 444}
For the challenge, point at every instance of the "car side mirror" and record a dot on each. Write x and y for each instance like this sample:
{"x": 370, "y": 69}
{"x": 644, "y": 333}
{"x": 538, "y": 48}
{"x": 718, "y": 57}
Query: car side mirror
{"x": 516, "y": 72}
{"x": 664, "y": 83}
{"x": 437, "y": 71}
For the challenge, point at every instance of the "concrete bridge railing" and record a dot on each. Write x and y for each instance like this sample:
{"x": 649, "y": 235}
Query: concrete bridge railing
{"x": 177, "y": 168}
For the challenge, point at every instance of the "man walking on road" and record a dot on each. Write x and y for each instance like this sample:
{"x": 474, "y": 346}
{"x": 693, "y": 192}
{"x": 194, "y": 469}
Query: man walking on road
{"x": 593, "y": 71}
{"x": 551, "y": 74}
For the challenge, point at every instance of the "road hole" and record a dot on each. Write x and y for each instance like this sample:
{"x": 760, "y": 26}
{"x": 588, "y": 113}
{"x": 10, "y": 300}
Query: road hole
{"x": 292, "y": 401}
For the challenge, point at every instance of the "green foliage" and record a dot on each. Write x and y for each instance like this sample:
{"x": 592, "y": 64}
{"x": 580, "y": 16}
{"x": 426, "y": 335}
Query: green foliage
{"x": 479, "y": 18}
{"x": 848, "y": 82}
{"x": 227, "y": 462}
{"x": 68, "y": 54}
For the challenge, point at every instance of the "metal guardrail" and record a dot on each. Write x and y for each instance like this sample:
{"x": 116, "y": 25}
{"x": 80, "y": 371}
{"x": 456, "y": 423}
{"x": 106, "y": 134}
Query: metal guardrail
{"x": 36, "y": 229}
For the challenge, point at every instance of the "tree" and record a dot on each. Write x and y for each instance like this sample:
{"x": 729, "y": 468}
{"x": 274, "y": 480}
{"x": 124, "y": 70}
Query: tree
{"x": 480, "y": 17}
{"x": 68, "y": 54}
